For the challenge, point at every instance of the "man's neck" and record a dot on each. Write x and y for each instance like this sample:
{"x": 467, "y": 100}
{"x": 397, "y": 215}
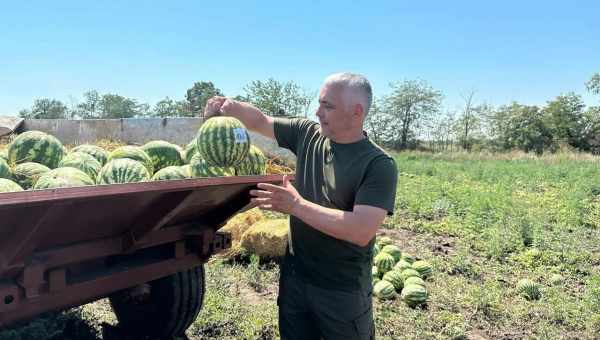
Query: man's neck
{"x": 355, "y": 137}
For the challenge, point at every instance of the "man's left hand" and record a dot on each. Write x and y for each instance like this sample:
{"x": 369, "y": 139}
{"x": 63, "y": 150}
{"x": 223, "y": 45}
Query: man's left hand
{"x": 284, "y": 199}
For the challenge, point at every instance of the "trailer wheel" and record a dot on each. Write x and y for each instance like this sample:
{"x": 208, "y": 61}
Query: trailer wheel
{"x": 165, "y": 307}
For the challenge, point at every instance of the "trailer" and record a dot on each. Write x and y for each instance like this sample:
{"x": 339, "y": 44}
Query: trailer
{"x": 142, "y": 245}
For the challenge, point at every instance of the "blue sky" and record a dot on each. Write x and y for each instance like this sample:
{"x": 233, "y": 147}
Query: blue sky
{"x": 529, "y": 51}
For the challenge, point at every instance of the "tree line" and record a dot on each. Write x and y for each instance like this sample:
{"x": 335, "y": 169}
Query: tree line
{"x": 410, "y": 116}
{"x": 272, "y": 96}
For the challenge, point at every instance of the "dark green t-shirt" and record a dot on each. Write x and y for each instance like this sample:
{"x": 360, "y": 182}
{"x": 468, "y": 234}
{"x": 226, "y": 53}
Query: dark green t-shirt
{"x": 336, "y": 176}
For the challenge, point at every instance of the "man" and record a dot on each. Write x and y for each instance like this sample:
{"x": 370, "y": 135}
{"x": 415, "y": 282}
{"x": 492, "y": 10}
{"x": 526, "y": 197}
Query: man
{"x": 344, "y": 187}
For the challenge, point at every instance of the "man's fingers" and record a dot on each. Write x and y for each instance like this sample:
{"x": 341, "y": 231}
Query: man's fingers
{"x": 270, "y": 187}
{"x": 260, "y": 200}
{"x": 213, "y": 105}
{"x": 261, "y": 193}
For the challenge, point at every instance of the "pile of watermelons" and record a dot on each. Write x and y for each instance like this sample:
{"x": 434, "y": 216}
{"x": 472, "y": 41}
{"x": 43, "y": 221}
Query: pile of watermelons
{"x": 37, "y": 160}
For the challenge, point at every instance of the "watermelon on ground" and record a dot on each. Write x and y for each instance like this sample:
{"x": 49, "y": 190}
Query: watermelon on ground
{"x": 414, "y": 295}
{"x": 384, "y": 262}
{"x": 384, "y": 290}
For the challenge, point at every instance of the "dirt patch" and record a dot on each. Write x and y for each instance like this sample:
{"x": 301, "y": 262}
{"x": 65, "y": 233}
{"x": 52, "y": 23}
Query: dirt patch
{"x": 413, "y": 242}
{"x": 253, "y": 297}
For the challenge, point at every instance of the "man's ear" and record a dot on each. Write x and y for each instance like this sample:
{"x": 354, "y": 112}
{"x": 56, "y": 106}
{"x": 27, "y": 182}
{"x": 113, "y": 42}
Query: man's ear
{"x": 359, "y": 111}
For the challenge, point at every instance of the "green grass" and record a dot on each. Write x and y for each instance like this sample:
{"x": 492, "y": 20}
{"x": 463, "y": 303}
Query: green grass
{"x": 483, "y": 221}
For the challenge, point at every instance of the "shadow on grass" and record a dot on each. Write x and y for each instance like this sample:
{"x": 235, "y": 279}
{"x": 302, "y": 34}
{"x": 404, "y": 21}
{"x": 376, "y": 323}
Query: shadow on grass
{"x": 66, "y": 325}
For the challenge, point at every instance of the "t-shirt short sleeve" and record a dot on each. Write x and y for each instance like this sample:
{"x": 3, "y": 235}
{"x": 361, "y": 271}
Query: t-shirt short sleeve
{"x": 290, "y": 131}
{"x": 378, "y": 188}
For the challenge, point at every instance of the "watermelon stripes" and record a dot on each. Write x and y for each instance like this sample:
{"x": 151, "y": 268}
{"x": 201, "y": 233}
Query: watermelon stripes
{"x": 123, "y": 170}
{"x": 223, "y": 141}
{"x": 36, "y": 146}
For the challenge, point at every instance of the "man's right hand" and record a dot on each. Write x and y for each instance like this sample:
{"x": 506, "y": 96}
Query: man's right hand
{"x": 230, "y": 107}
{"x": 213, "y": 106}
{"x": 247, "y": 113}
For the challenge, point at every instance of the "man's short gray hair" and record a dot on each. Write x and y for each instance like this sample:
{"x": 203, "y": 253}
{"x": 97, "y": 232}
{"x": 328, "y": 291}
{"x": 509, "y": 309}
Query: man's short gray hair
{"x": 356, "y": 83}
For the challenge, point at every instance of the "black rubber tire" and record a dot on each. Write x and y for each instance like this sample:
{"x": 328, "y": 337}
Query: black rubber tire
{"x": 168, "y": 310}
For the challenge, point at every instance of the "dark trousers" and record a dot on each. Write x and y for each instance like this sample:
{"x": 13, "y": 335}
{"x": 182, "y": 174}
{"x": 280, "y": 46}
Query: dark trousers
{"x": 309, "y": 312}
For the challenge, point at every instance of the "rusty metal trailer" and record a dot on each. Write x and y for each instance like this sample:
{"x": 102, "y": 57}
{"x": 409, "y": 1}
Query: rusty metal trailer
{"x": 143, "y": 245}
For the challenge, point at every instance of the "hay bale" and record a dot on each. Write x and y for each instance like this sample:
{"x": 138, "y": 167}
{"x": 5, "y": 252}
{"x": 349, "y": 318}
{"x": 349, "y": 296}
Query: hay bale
{"x": 238, "y": 224}
{"x": 267, "y": 238}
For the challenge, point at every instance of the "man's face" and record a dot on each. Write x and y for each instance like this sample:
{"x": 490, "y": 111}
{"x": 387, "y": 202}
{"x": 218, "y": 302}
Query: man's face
{"x": 335, "y": 116}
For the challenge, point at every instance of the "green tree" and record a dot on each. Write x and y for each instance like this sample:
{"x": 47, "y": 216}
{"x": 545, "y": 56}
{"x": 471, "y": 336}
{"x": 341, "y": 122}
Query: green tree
{"x": 167, "y": 107}
{"x": 197, "y": 96}
{"x": 593, "y": 85}
{"x": 91, "y": 106}
{"x": 410, "y": 105}
{"x": 277, "y": 98}
{"x": 565, "y": 116}
{"x": 376, "y": 124}
{"x": 117, "y": 106}
{"x": 468, "y": 125}
{"x": 46, "y": 108}
{"x": 591, "y": 133}
{"x": 525, "y": 128}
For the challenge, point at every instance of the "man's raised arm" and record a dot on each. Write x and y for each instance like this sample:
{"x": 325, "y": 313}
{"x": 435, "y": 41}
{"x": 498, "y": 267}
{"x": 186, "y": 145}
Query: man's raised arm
{"x": 247, "y": 113}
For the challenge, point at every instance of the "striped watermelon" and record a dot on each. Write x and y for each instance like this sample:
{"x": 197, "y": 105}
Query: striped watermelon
{"x": 5, "y": 171}
{"x": 384, "y": 262}
{"x": 384, "y": 290}
{"x": 82, "y": 161}
{"x": 163, "y": 154}
{"x": 4, "y": 154}
{"x": 414, "y": 280}
{"x": 394, "y": 277}
{"x": 223, "y": 141}
{"x": 93, "y": 150}
{"x": 201, "y": 168}
{"x": 384, "y": 241}
{"x": 26, "y": 174}
{"x": 63, "y": 178}
{"x": 374, "y": 272}
{"x": 36, "y": 146}
{"x": 529, "y": 289}
{"x": 123, "y": 170}
{"x": 171, "y": 172}
{"x": 392, "y": 250}
{"x": 189, "y": 151}
{"x": 6, "y": 185}
{"x": 414, "y": 295}
{"x": 408, "y": 258}
{"x": 187, "y": 170}
{"x": 406, "y": 273}
{"x": 401, "y": 265}
{"x": 255, "y": 163}
{"x": 423, "y": 267}
{"x": 133, "y": 152}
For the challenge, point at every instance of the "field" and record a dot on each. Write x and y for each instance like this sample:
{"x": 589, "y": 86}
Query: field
{"x": 483, "y": 221}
